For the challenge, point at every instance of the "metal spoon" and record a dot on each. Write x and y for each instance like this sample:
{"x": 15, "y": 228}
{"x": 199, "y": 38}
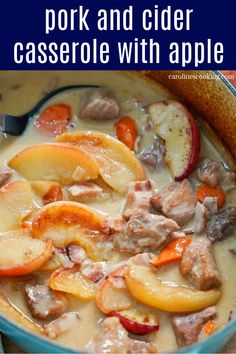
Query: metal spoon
{"x": 16, "y": 125}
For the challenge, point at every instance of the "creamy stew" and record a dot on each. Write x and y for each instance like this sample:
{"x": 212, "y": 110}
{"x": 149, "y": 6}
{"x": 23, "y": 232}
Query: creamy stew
{"x": 118, "y": 216}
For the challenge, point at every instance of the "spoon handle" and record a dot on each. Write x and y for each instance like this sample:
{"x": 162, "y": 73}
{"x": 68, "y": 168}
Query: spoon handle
{"x": 13, "y": 125}
{"x": 57, "y": 92}
{"x": 16, "y": 125}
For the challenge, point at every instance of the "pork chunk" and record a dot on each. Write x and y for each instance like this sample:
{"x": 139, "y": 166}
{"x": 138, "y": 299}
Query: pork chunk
{"x": 198, "y": 264}
{"x": 201, "y": 217}
{"x": 43, "y": 302}
{"x": 203, "y": 212}
{"x": 209, "y": 172}
{"x": 215, "y": 174}
{"x": 76, "y": 254}
{"x": 141, "y": 259}
{"x": 93, "y": 271}
{"x": 150, "y": 225}
{"x": 154, "y": 154}
{"x": 61, "y": 257}
{"x": 233, "y": 251}
{"x": 99, "y": 105}
{"x": 84, "y": 192}
{"x": 62, "y": 324}
{"x": 113, "y": 338}
{"x": 176, "y": 201}
{"x": 222, "y": 224}
{"x": 5, "y": 175}
{"x": 139, "y": 347}
{"x": 145, "y": 231}
{"x": 138, "y": 199}
{"x": 114, "y": 225}
{"x": 188, "y": 328}
{"x": 211, "y": 203}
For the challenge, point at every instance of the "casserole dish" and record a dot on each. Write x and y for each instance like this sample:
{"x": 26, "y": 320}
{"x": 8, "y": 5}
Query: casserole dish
{"x": 214, "y": 100}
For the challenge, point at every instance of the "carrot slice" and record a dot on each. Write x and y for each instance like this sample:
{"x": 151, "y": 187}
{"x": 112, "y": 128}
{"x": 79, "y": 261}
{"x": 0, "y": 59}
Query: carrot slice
{"x": 204, "y": 191}
{"x": 26, "y": 225}
{"x": 172, "y": 251}
{"x": 54, "y": 194}
{"x": 54, "y": 120}
{"x": 126, "y": 131}
{"x": 208, "y": 328}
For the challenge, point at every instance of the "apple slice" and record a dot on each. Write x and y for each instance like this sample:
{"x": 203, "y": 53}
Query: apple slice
{"x": 54, "y": 162}
{"x": 7, "y": 309}
{"x": 21, "y": 254}
{"x": 51, "y": 265}
{"x": 145, "y": 287}
{"x": 73, "y": 282}
{"x": 112, "y": 294}
{"x": 70, "y": 222}
{"x": 136, "y": 321}
{"x": 49, "y": 191}
{"x": 118, "y": 165}
{"x": 176, "y": 126}
{"x": 43, "y": 187}
{"x": 16, "y": 202}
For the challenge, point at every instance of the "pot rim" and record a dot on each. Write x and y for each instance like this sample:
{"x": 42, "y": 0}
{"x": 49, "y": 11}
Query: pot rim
{"x": 225, "y": 81}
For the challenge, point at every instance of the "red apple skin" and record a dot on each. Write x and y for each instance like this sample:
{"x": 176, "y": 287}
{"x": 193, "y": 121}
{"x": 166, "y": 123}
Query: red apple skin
{"x": 29, "y": 267}
{"x": 196, "y": 144}
{"x": 134, "y": 327}
{"x": 193, "y": 139}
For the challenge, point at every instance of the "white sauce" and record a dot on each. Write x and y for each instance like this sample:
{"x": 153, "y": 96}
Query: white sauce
{"x": 129, "y": 90}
